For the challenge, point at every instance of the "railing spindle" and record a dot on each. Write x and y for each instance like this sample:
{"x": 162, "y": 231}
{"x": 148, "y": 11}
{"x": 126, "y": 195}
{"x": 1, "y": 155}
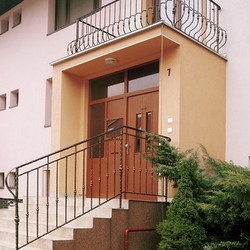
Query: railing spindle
{"x": 37, "y": 203}
{"x": 91, "y": 177}
{"x": 47, "y": 195}
{"x": 107, "y": 169}
{"x": 66, "y": 191}
{"x": 16, "y": 200}
{"x": 83, "y": 178}
{"x": 121, "y": 166}
{"x": 75, "y": 191}
{"x": 99, "y": 169}
{"x": 27, "y": 207}
{"x": 114, "y": 168}
{"x": 57, "y": 193}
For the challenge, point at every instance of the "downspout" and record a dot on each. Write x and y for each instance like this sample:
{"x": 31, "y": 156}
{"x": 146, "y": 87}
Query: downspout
{"x": 128, "y": 230}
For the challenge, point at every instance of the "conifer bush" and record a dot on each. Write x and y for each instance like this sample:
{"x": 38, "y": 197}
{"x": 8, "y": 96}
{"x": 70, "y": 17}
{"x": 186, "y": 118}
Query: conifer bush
{"x": 211, "y": 210}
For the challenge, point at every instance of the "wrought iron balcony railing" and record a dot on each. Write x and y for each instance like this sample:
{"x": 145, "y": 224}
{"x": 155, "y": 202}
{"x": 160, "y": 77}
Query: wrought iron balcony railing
{"x": 198, "y": 19}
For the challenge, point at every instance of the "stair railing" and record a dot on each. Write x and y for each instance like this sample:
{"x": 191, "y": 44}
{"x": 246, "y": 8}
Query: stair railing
{"x": 62, "y": 186}
{"x": 196, "y": 19}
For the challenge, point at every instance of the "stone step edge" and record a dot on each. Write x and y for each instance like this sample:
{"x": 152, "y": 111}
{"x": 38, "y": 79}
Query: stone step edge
{"x": 10, "y": 245}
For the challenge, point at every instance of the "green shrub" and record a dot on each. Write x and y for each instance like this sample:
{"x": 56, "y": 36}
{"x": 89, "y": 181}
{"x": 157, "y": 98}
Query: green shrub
{"x": 211, "y": 209}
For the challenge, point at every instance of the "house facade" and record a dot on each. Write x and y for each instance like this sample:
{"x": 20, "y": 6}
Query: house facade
{"x": 85, "y": 83}
{"x": 144, "y": 64}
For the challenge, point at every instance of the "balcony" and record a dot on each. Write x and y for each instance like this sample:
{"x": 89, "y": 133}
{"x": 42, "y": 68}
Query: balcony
{"x": 196, "y": 19}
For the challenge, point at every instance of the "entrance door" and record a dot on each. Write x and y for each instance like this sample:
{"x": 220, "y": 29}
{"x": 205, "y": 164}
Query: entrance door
{"x": 124, "y": 98}
{"x": 142, "y": 115}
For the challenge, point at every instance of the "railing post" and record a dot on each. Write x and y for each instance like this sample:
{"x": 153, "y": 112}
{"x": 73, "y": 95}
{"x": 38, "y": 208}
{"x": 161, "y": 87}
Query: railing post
{"x": 77, "y": 35}
{"x": 218, "y": 30}
{"x": 47, "y": 195}
{"x": 16, "y": 209}
{"x": 166, "y": 190}
{"x": 121, "y": 165}
{"x": 75, "y": 188}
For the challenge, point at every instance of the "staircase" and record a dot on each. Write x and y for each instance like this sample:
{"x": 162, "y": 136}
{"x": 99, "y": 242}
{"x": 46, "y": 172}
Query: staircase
{"x": 106, "y": 168}
{"x": 102, "y": 228}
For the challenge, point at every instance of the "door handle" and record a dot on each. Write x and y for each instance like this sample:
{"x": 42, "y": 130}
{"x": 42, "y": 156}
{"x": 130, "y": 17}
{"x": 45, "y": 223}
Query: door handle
{"x": 127, "y": 147}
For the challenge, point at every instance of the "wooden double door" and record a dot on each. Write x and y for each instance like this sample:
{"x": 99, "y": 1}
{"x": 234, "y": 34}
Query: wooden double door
{"x": 112, "y": 153}
{"x": 116, "y": 159}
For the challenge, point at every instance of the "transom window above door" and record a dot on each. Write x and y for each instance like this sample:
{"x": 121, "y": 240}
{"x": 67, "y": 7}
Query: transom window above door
{"x": 132, "y": 80}
{"x": 67, "y": 11}
{"x": 113, "y": 98}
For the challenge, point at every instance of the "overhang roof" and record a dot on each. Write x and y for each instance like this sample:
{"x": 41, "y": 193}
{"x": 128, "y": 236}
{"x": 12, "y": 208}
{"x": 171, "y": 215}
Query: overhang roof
{"x": 6, "y": 5}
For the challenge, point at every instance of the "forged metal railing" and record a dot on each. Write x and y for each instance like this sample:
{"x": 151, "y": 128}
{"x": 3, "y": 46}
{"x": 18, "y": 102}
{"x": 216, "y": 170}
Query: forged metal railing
{"x": 198, "y": 19}
{"x": 82, "y": 177}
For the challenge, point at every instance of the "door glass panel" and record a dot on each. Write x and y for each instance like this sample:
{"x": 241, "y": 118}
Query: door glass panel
{"x": 149, "y": 121}
{"x": 113, "y": 124}
{"x": 148, "y": 128}
{"x": 107, "y": 86}
{"x": 97, "y": 115}
{"x": 138, "y": 133}
{"x": 143, "y": 77}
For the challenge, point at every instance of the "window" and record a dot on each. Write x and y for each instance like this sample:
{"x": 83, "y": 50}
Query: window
{"x": 5, "y": 25}
{"x": 17, "y": 18}
{"x": 139, "y": 78}
{"x": 107, "y": 86}
{"x": 138, "y": 133}
{"x": 1, "y": 180}
{"x": 14, "y": 98}
{"x": 97, "y": 116}
{"x": 67, "y": 11}
{"x": 143, "y": 77}
{"x": 2, "y": 102}
{"x": 113, "y": 124}
{"x": 11, "y": 180}
{"x": 48, "y": 103}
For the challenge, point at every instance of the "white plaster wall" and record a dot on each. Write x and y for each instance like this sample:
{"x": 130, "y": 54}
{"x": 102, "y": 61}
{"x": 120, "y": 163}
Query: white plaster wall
{"x": 25, "y": 53}
{"x": 235, "y": 20}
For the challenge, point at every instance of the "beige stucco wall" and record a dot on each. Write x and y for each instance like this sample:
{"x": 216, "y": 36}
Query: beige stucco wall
{"x": 193, "y": 94}
{"x": 203, "y": 99}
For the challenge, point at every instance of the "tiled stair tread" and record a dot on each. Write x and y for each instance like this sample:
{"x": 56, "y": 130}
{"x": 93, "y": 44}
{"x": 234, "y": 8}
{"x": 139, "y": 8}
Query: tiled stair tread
{"x": 49, "y": 237}
{"x": 9, "y": 246}
{"x": 70, "y": 203}
{"x": 43, "y": 223}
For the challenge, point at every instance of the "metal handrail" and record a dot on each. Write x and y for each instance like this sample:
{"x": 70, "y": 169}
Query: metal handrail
{"x": 122, "y": 17}
{"x": 66, "y": 163}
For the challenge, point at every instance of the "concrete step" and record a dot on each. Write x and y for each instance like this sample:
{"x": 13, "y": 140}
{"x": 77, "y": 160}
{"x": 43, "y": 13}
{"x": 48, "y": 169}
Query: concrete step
{"x": 7, "y": 224}
{"x": 4, "y": 245}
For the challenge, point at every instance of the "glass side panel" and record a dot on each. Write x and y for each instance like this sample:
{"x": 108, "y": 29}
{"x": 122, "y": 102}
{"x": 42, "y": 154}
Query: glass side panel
{"x": 138, "y": 133}
{"x": 149, "y": 121}
{"x": 107, "y": 86}
{"x": 97, "y": 114}
{"x": 138, "y": 121}
{"x": 143, "y": 77}
{"x": 113, "y": 124}
{"x": 148, "y": 128}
